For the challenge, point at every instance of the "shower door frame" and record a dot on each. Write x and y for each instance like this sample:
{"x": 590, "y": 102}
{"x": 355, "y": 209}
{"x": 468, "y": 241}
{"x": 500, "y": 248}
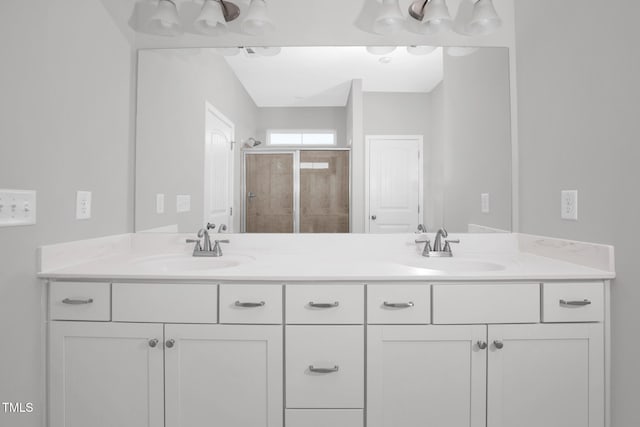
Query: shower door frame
{"x": 296, "y": 180}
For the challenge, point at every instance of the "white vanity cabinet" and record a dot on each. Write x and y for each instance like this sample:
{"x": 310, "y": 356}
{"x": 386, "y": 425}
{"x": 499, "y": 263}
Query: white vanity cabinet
{"x": 105, "y": 374}
{"x": 484, "y": 374}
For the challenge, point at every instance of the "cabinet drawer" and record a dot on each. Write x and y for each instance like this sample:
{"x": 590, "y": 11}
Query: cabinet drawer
{"x": 398, "y": 304}
{"x": 80, "y": 301}
{"x": 165, "y": 303}
{"x": 324, "y": 418}
{"x": 486, "y": 303}
{"x": 572, "y": 302}
{"x": 325, "y": 367}
{"x": 257, "y": 304}
{"x": 325, "y": 304}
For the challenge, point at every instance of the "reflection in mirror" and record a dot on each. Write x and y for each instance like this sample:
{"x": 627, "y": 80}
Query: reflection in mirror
{"x": 323, "y": 139}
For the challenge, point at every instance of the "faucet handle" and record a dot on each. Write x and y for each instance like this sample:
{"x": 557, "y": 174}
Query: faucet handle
{"x": 421, "y": 229}
{"x": 222, "y": 228}
{"x": 210, "y": 226}
{"x": 447, "y": 244}
{"x": 197, "y": 242}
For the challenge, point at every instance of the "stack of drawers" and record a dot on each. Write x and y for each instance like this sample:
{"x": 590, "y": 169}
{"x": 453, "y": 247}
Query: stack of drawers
{"x": 324, "y": 349}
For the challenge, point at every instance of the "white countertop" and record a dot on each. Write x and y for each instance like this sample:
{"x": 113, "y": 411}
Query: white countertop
{"x": 326, "y": 257}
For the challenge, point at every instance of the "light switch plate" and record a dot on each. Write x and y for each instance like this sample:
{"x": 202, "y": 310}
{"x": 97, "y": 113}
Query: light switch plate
{"x": 17, "y": 207}
{"x": 569, "y": 204}
{"x": 484, "y": 202}
{"x": 159, "y": 203}
{"x": 83, "y": 205}
{"x": 183, "y": 203}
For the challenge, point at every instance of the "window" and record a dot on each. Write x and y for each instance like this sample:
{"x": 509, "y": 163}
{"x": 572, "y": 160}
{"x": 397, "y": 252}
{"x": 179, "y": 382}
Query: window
{"x": 301, "y": 137}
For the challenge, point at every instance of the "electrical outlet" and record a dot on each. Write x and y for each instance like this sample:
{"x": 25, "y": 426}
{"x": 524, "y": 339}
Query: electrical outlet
{"x": 484, "y": 202}
{"x": 83, "y": 205}
{"x": 183, "y": 203}
{"x": 17, "y": 207}
{"x": 159, "y": 203}
{"x": 569, "y": 204}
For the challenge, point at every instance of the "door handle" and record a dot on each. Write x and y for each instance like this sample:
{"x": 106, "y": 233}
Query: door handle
{"x": 251, "y": 195}
{"x": 374, "y": 217}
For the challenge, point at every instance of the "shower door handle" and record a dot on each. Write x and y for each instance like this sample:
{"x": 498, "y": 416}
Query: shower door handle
{"x": 250, "y": 195}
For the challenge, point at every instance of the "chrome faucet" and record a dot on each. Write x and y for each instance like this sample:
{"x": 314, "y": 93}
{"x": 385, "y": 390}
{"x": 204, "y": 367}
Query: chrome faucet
{"x": 438, "y": 250}
{"x": 222, "y": 228}
{"x": 206, "y": 249}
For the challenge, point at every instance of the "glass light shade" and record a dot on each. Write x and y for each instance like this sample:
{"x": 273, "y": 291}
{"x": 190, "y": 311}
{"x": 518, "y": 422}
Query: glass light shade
{"x": 257, "y": 21}
{"x": 165, "y": 20}
{"x": 437, "y": 18}
{"x": 211, "y": 19}
{"x": 484, "y": 19}
{"x": 380, "y": 50}
{"x": 420, "y": 50}
{"x": 390, "y": 19}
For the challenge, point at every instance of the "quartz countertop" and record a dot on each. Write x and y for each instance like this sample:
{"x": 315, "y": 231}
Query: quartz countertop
{"x": 326, "y": 257}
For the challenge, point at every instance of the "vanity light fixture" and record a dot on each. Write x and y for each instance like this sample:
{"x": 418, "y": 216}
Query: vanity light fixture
{"x": 433, "y": 15}
{"x": 389, "y": 19}
{"x": 165, "y": 20}
{"x": 484, "y": 20}
{"x": 214, "y": 16}
{"x": 257, "y": 21}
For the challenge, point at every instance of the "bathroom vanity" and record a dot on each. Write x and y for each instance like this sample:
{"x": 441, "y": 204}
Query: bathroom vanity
{"x": 319, "y": 330}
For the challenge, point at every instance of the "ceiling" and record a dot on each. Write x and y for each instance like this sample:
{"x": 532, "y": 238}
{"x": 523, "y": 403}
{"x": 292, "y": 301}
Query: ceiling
{"x": 322, "y": 76}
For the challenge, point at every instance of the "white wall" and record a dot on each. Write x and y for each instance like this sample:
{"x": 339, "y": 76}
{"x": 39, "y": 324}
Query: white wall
{"x": 66, "y": 88}
{"x": 578, "y": 100}
{"x": 477, "y": 153}
{"x": 317, "y": 118}
{"x": 173, "y": 88}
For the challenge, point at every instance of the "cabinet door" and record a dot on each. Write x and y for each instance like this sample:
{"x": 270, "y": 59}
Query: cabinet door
{"x": 227, "y": 375}
{"x": 426, "y": 376}
{"x": 105, "y": 375}
{"x": 546, "y": 375}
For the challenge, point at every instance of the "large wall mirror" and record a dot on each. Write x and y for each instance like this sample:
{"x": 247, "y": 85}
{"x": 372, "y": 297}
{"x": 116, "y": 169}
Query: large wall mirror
{"x": 324, "y": 139}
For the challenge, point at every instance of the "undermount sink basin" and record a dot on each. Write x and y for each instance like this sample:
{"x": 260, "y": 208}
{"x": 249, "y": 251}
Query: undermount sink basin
{"x": 177, "y": 263}
{"x": 453, "y": 265}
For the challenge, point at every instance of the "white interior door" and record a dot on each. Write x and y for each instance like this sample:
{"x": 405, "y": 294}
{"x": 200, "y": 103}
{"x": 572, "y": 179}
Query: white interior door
{"x": 394, "y": 181}
{"x": 546, "y": 375}
{"x": 224, "y": 375}
{"x": 426, "y": 376}
{"x": 218, "y": 169}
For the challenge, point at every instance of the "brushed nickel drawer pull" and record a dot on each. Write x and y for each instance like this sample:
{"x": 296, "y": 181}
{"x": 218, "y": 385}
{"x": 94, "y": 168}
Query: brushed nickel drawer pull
{"x": 77, "y": 301}
{"x": 398, "y": 304}
{"x": 482, "y": 345}
{"x": 498, "y": 344}
{"x": 575, "y": 303}
{"x": 153, "y": 343}
{"x": 170, "y": 343}
{"x": 312, "y": 368}
{"x": 323, "y": 304}
{"x": 250, "y": 304}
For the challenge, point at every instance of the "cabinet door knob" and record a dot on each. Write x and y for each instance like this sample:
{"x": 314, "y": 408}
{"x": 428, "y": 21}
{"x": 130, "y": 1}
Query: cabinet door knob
{"x": 312, "y": 368}
{"x": 249, "y": 304}
{"x": 482, "y": 345}
{"x": 170, "y": 343}
{"x": 153, "y": 343}
{"x": 498, "y": 344}
{"x": 323, "y": 304}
